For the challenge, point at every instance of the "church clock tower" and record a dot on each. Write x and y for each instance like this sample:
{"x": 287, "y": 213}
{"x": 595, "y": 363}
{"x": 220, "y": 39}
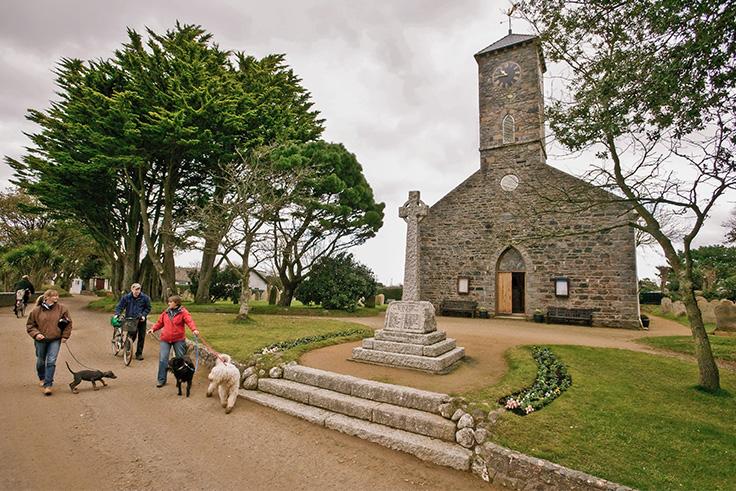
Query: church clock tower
{"x": 511, "y": 98}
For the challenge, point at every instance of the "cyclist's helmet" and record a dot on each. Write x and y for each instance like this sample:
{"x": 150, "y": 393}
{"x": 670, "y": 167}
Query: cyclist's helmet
{"x": 115, "y": 321}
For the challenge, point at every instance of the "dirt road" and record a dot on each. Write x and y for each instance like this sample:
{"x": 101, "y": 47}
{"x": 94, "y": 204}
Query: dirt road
{"x": 132, "y": 435}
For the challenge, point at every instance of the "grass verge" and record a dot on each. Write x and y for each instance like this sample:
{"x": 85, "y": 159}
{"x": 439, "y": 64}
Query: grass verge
{"x": 242, "y": 339}
{"x": 632, "y": 418}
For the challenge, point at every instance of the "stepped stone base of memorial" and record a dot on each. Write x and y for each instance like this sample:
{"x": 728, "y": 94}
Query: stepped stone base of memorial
{"x": 397, "y": 417}
{"x": 410, "y": 339}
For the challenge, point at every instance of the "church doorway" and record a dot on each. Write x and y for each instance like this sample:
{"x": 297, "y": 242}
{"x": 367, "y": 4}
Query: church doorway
{"x": 510, "y": 283}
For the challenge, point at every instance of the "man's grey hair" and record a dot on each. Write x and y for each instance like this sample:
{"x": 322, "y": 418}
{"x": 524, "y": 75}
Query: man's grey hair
{"x": 135, "y": 286}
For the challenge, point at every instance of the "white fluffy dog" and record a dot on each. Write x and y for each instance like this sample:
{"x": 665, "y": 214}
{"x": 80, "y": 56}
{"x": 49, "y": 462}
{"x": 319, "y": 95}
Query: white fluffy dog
{"x": 225, "y": 377}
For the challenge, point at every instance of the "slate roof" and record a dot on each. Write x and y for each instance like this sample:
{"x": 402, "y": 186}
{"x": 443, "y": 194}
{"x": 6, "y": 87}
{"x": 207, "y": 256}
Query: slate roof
{"x": 506, "y": 41}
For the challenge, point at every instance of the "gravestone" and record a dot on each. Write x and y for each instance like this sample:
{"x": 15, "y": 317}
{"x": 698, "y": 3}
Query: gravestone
{"x": 678, "y": 309}
{"x": 707, "y": 310}
{"x": 410, "y": 338}
{"x": 666, "y": 305}
{"x": 380, "y": 298}
{"x": 725, "y": 316}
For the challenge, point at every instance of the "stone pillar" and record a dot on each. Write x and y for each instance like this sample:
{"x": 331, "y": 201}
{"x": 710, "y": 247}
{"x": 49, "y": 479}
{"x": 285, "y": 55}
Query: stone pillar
{"x": 413, "y": 211}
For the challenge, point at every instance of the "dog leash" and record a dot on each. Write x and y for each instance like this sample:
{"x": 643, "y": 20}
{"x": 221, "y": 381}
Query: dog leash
{"x": 75, "y": 358}
{"x": 211, "y": 349}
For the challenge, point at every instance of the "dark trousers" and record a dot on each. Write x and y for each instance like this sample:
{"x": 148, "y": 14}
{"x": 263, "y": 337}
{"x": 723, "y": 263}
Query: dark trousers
{"x": 139, "y": 333}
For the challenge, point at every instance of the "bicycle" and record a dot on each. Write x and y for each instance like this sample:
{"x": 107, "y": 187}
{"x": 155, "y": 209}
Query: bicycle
{"x": 20, "y": 304}
{"x": 121, "y": 339}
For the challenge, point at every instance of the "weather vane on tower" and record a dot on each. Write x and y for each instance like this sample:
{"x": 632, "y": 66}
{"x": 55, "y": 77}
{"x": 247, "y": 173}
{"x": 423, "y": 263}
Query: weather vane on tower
{"x": 510, "y": 12}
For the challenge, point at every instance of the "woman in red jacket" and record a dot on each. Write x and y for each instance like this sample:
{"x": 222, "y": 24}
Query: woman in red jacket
{"x": 172, "y": 321}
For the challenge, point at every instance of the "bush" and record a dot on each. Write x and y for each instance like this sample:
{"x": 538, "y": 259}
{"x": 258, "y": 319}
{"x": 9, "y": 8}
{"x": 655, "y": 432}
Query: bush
{"x": 552, "y": 380}
{"x": 391, "y": 292}
{"x": 337, "y": 283}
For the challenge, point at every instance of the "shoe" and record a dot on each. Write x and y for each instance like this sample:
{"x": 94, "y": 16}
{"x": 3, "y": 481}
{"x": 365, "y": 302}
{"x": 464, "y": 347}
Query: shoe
{"x": 139, "y": 357}
{"x": 41, "y": 382}
{"x": 160, "y": 384}
{"x": 47, "y": 391}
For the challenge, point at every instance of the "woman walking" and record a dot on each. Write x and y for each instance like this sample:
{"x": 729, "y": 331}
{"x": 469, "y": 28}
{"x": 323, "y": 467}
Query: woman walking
{"x": 172, "y": 321}
{"x": 48, "y": 324}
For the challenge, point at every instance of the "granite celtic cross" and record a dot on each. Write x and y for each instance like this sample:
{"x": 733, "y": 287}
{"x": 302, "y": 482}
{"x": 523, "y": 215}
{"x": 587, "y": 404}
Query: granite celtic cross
{"x": 413, "y": 211}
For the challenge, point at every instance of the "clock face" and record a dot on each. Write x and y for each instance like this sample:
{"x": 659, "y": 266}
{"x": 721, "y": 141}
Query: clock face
{"x": 506, "y": 74}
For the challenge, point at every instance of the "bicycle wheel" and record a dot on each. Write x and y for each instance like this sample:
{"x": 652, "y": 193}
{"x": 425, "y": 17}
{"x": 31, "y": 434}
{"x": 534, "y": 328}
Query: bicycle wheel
{"x": 127, "y": 351}
{"x": 115, "y": 343}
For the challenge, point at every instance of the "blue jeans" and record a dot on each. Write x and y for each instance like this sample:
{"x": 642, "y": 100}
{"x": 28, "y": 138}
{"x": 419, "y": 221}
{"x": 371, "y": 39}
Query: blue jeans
{"x": 46, "y": 354}
{"x": 180, "y": 349}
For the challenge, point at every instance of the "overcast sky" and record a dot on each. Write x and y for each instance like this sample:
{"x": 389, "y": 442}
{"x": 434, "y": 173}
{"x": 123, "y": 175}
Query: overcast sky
{"x": 395, "y": 80}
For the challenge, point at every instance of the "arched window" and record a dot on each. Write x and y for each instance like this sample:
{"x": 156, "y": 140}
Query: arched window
{"x": 509, "y": 129}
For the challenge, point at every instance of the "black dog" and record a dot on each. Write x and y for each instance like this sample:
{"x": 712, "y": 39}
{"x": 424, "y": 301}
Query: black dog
{"x": 183, "y": 369}
{"x": 90, "y": 376}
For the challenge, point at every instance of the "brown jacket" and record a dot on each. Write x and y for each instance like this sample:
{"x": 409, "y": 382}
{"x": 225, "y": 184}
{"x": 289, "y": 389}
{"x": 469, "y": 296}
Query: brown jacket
{"x": 46, "y": 322}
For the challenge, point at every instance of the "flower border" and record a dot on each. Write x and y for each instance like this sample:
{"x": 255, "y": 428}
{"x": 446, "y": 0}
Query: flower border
{"x": 551, "y": 381}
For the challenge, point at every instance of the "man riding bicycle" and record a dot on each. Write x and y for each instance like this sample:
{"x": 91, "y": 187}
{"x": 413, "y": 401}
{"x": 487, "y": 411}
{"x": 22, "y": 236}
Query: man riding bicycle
{"x": 25, "y": 285}
{"x": 136, "y": 305}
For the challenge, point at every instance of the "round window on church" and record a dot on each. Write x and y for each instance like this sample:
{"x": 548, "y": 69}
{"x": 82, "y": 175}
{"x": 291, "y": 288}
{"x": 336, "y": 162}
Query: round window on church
{"x": 509, "y": 182}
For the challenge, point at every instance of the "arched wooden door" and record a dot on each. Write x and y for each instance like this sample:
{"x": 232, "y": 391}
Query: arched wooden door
{"x": 510, "y": 283}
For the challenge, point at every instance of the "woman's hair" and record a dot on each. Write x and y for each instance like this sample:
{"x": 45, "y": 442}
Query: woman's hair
{"x": 46, "y": 295}
{"x": 176, "y": 299}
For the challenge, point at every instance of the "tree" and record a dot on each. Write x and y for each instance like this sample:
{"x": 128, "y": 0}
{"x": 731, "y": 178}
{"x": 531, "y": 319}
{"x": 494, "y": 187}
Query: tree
{"x": 276, "y": 108}
{"x": 651, "y": 87}
{"x": 330, "y": 210}
{"x": 134, "y": 142}
{"x": 337, "y": 283}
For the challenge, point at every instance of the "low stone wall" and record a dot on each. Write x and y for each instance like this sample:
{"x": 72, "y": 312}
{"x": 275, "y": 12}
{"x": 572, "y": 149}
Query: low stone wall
{"x": 515, "y": 470}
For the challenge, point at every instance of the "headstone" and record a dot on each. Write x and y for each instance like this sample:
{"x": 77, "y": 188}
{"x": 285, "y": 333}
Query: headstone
{"x": 707, "y": 310}
{"x": 678, "y": 309}
{"x": 666, "y": 305}
{"x": 410, "y": 338}
{"x": 725, "y": 316}
{"x": 380, "y": 298}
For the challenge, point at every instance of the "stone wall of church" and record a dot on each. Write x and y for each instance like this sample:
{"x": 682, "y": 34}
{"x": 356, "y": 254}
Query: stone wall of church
{"x": 466, "y": 232}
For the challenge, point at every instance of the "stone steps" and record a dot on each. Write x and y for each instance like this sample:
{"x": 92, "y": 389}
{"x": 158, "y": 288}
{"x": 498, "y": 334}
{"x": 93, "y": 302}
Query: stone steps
{"x": 397, "y": 395}
{"x": 402, "y": 418}
{"x": 429, "y": 449}
{"x": 438, "y": 364}
{"x": 432, "y": 350}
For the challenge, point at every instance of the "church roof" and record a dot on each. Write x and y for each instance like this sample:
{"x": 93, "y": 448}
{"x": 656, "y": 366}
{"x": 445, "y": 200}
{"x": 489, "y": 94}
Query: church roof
{"x": 506, "y": 41}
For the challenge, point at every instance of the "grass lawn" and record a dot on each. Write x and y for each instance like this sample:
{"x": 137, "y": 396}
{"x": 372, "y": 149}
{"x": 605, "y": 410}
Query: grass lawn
{"x": 259, "y": 307}
{"x": 633, "y": 418}
{"x": 241, "y": 339}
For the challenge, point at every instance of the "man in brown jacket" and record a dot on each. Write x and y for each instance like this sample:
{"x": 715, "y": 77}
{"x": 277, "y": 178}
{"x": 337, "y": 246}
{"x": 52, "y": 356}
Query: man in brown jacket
{"x": 48, "y": 324}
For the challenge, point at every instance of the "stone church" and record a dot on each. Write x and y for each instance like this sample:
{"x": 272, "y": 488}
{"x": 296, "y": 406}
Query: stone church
{"x": 519, "y": 235}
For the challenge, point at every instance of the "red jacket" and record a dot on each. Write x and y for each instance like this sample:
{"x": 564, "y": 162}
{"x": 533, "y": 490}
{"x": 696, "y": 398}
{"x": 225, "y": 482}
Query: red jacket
{"x": 173, "y": 329}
